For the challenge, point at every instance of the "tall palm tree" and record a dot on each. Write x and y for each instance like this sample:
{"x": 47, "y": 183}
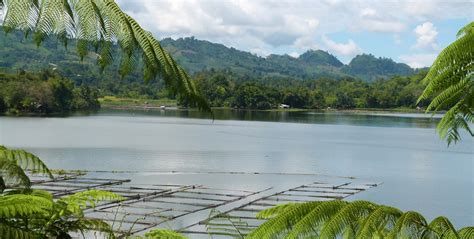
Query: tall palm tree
{"x": 451, "y": 85}
{"x": 98, "y": 25}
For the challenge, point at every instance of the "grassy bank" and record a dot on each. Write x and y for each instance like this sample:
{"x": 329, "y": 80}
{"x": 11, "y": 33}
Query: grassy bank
{"x": 117, "y": 102}
{"x": 127, "y": 103}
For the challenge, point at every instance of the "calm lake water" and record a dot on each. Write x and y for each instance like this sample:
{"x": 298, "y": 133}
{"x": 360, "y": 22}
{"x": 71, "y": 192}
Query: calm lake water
{"x": 419, "y": 172}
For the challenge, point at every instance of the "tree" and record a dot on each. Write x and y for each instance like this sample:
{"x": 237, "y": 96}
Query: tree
{"x": 98, "y": 25}
{"x": 358, "y": 219}
{"x": 451, "y": 84}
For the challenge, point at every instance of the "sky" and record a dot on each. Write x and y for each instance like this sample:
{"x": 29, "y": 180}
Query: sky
{"x": 409, "y": 31}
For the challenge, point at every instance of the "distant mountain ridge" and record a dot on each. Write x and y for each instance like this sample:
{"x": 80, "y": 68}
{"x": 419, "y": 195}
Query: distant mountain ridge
{"x": 196, "y": 55}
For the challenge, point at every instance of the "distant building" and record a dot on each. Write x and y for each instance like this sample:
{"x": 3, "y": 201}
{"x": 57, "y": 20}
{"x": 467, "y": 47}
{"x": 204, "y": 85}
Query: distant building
{"x": 284, "y": 106}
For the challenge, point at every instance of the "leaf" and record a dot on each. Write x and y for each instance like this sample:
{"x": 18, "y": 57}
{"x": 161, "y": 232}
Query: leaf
{"x": 163, "y": 234}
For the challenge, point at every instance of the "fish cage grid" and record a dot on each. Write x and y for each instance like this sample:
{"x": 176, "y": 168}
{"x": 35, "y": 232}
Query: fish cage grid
{"x": 149, "y": 206}
{"x": 240, "y": 221}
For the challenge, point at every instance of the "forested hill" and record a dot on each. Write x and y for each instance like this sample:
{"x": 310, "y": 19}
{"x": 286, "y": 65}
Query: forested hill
{"x": 196, "y": 55}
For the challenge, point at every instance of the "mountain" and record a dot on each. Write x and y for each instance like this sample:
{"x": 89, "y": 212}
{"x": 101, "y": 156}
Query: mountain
{"x": 194, "y": 55}
{"x": 369, "y": 67}
{"x": 319, "y": 57}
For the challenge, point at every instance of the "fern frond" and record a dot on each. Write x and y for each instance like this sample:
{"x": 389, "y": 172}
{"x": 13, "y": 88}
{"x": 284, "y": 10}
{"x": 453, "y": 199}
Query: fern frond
{"x": 25, "y": 160}
{"x": 274, "y": 211}
{"x": 440, "y": 227}
{"x": 377, "y": 221}
{"x": 32, "y": 192}
{"x": 163, "y": 234}
{"x": 284, "y": 221}
{"x": 311, "y": 224}
{"x": 410, "y": 224}
{"x": 450, "y": 83}
{"x": 12, "y": 232}
{"x": 77, "y": 202}
{"x": 13, "y": 206}
{"x": 12, "y": 175}
{"x": 466, "y": 233}
{"x": 345, "y": 217}
{"x": 87, "y": 224}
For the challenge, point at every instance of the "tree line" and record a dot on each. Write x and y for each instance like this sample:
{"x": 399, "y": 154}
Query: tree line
{"x": 44, "y": 92}
{"x": 226, "y": 89}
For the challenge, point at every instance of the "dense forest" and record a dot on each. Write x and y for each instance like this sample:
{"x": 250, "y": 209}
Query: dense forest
{"x": 197, "y": 55}
{"x": 228, "y": 77}
{"x": 226, "y": 89}
{"x": 20, "y": 53}
{"x": 43, "y": 92}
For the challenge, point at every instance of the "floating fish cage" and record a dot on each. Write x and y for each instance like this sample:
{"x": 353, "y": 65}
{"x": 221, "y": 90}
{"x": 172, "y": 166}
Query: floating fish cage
{"x": 195, "y": 210}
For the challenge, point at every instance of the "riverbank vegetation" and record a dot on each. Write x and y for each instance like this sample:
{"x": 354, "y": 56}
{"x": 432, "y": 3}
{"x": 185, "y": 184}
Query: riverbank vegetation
{"x": 43, "y": 92}
{"x": 225, "y": 89}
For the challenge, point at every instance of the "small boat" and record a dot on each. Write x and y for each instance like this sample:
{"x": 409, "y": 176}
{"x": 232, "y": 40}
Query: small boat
{"x": 163, "y": 107}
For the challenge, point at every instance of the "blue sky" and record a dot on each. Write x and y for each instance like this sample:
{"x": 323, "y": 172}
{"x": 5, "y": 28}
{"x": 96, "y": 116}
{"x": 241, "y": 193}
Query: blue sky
{"x": 410, "y": 31}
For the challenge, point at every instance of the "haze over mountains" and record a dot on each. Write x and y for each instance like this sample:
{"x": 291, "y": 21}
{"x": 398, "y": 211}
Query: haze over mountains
{"x": 197, "y": 55}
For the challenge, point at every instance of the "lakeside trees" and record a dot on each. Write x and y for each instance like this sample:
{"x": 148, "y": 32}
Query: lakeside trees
{"x": 225, "y": 89}
{"x": 97, "y": 25}
{"x": 44, "y": 92}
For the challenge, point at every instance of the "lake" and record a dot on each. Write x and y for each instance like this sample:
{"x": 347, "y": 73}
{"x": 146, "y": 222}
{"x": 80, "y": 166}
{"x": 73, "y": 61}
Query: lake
{"x": 419, "y": 172}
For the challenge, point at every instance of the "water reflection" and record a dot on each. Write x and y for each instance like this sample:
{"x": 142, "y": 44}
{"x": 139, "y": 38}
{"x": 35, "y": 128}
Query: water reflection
{"x": 310, "y": 117}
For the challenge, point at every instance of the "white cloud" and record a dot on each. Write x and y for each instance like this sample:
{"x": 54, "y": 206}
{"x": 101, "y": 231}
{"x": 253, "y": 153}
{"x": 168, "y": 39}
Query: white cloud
{"x": 371, "y": 20}
{"x": 346, "y": 49}
{"x": 287, "y": 26}
{"x": 368, "y": 12}
{"x": 377, "y": 25}
{"x": 426, "y": 34}
{"x": 418, "y": 60}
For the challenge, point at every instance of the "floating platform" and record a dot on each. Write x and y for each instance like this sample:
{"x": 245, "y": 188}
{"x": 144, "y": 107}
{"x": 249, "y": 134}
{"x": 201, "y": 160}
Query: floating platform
{"x": 195, "y": 210}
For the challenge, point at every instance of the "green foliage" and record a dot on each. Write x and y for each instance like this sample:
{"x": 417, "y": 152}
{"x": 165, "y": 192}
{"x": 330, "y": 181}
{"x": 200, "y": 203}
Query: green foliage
{"x": 13, "y": 164}
{"x": 44, "y": 92}
{"x": 197, "y": 55}
{"x": 36, "y": 213}
{"x": 227, "y": 89}
{"x": 26, "y": 213}
{"x": 367, "y": 66}
{"x": 451, "y": 85}
{"x": 97, "y": 25}
{"x": 358, "y": 219}
{"x": 163, "y": 234}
